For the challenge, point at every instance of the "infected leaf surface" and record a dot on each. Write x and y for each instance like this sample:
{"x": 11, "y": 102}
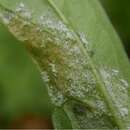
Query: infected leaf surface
{"x": 72, "y": 52}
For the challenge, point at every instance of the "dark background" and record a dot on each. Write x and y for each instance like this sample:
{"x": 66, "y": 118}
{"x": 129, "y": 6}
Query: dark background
{"x": 119, "y": 13}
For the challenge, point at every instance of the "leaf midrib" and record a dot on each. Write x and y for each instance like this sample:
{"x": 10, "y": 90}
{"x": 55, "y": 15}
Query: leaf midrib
{"x": 100, "y": 81}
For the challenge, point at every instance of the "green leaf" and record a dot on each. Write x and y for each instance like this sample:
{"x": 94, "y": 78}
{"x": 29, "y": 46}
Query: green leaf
{"x": 60, "y": 119}
{"x": 84, "y": 117}
{"x": 80, "y": 57}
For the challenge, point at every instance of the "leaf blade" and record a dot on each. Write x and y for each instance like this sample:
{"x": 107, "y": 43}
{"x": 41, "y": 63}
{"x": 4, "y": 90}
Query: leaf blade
{"x": 94, "y": 69}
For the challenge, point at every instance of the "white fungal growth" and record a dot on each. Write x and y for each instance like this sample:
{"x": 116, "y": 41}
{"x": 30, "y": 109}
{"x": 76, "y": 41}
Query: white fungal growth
{"x": 68, "y": 72}
{"x": 116, "y": 89}
{"x": 128, "y": 128}
{"x": 75, "y": 49}
{"x": 20, "y": 7}
{"x": 53, "y": 68}
{"x": 78, "y": 82}
{"x": 56, "y": 26}
{"x": 72, "y": 73}
{"x": 52, "y": 23}
{"x": 124, "y": 112}
{"x": 23, "y": 11}
{"x": 45, "y": 76}
{"x": 6, "y": 17}
{"x": 83, "y": 39}
{"x": 125, "y": 83}
{"x": 56, "y": 96}
{"x": 115, "y": 72}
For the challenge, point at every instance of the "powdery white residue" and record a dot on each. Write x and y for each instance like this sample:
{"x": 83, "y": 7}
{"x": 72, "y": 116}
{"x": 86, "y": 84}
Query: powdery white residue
{"x": 53, "y": 67}
{"x": 45, "y": 76}
{"x": 116, "y": 89}
{"x": 124, "y": 112}
{"x": 83, "y": 39}
{"x": 56, "y": 26}
{"x": 124, "y": 82}
{"x": 56, "y": 96}
{"x": 23, "y": 11}
{"x": 78, "y": 79}
{"x": 101, "y": 106}
{"x": 75, "y": 50}
{"x": 20, "y": 7}
{"x": 59, "y": 46}
{"x": 6, "y": 17}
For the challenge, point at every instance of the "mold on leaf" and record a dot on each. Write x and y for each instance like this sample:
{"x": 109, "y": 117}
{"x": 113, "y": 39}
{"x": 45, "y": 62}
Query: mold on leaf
{"x": 64, "y": 59}
{"x": 117, "y": 89}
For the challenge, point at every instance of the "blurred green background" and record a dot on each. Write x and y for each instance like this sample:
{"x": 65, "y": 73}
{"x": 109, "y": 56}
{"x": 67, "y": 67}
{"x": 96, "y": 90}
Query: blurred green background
{"x": 23, "y": 96}
{"x": 119, "y": 13}
{"x": 22, "y": 91}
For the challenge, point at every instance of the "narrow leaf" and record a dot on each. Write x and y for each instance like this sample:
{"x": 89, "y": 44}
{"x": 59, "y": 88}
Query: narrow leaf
{"x": 60, "y": 119}
{"x": 71, "y": 42}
